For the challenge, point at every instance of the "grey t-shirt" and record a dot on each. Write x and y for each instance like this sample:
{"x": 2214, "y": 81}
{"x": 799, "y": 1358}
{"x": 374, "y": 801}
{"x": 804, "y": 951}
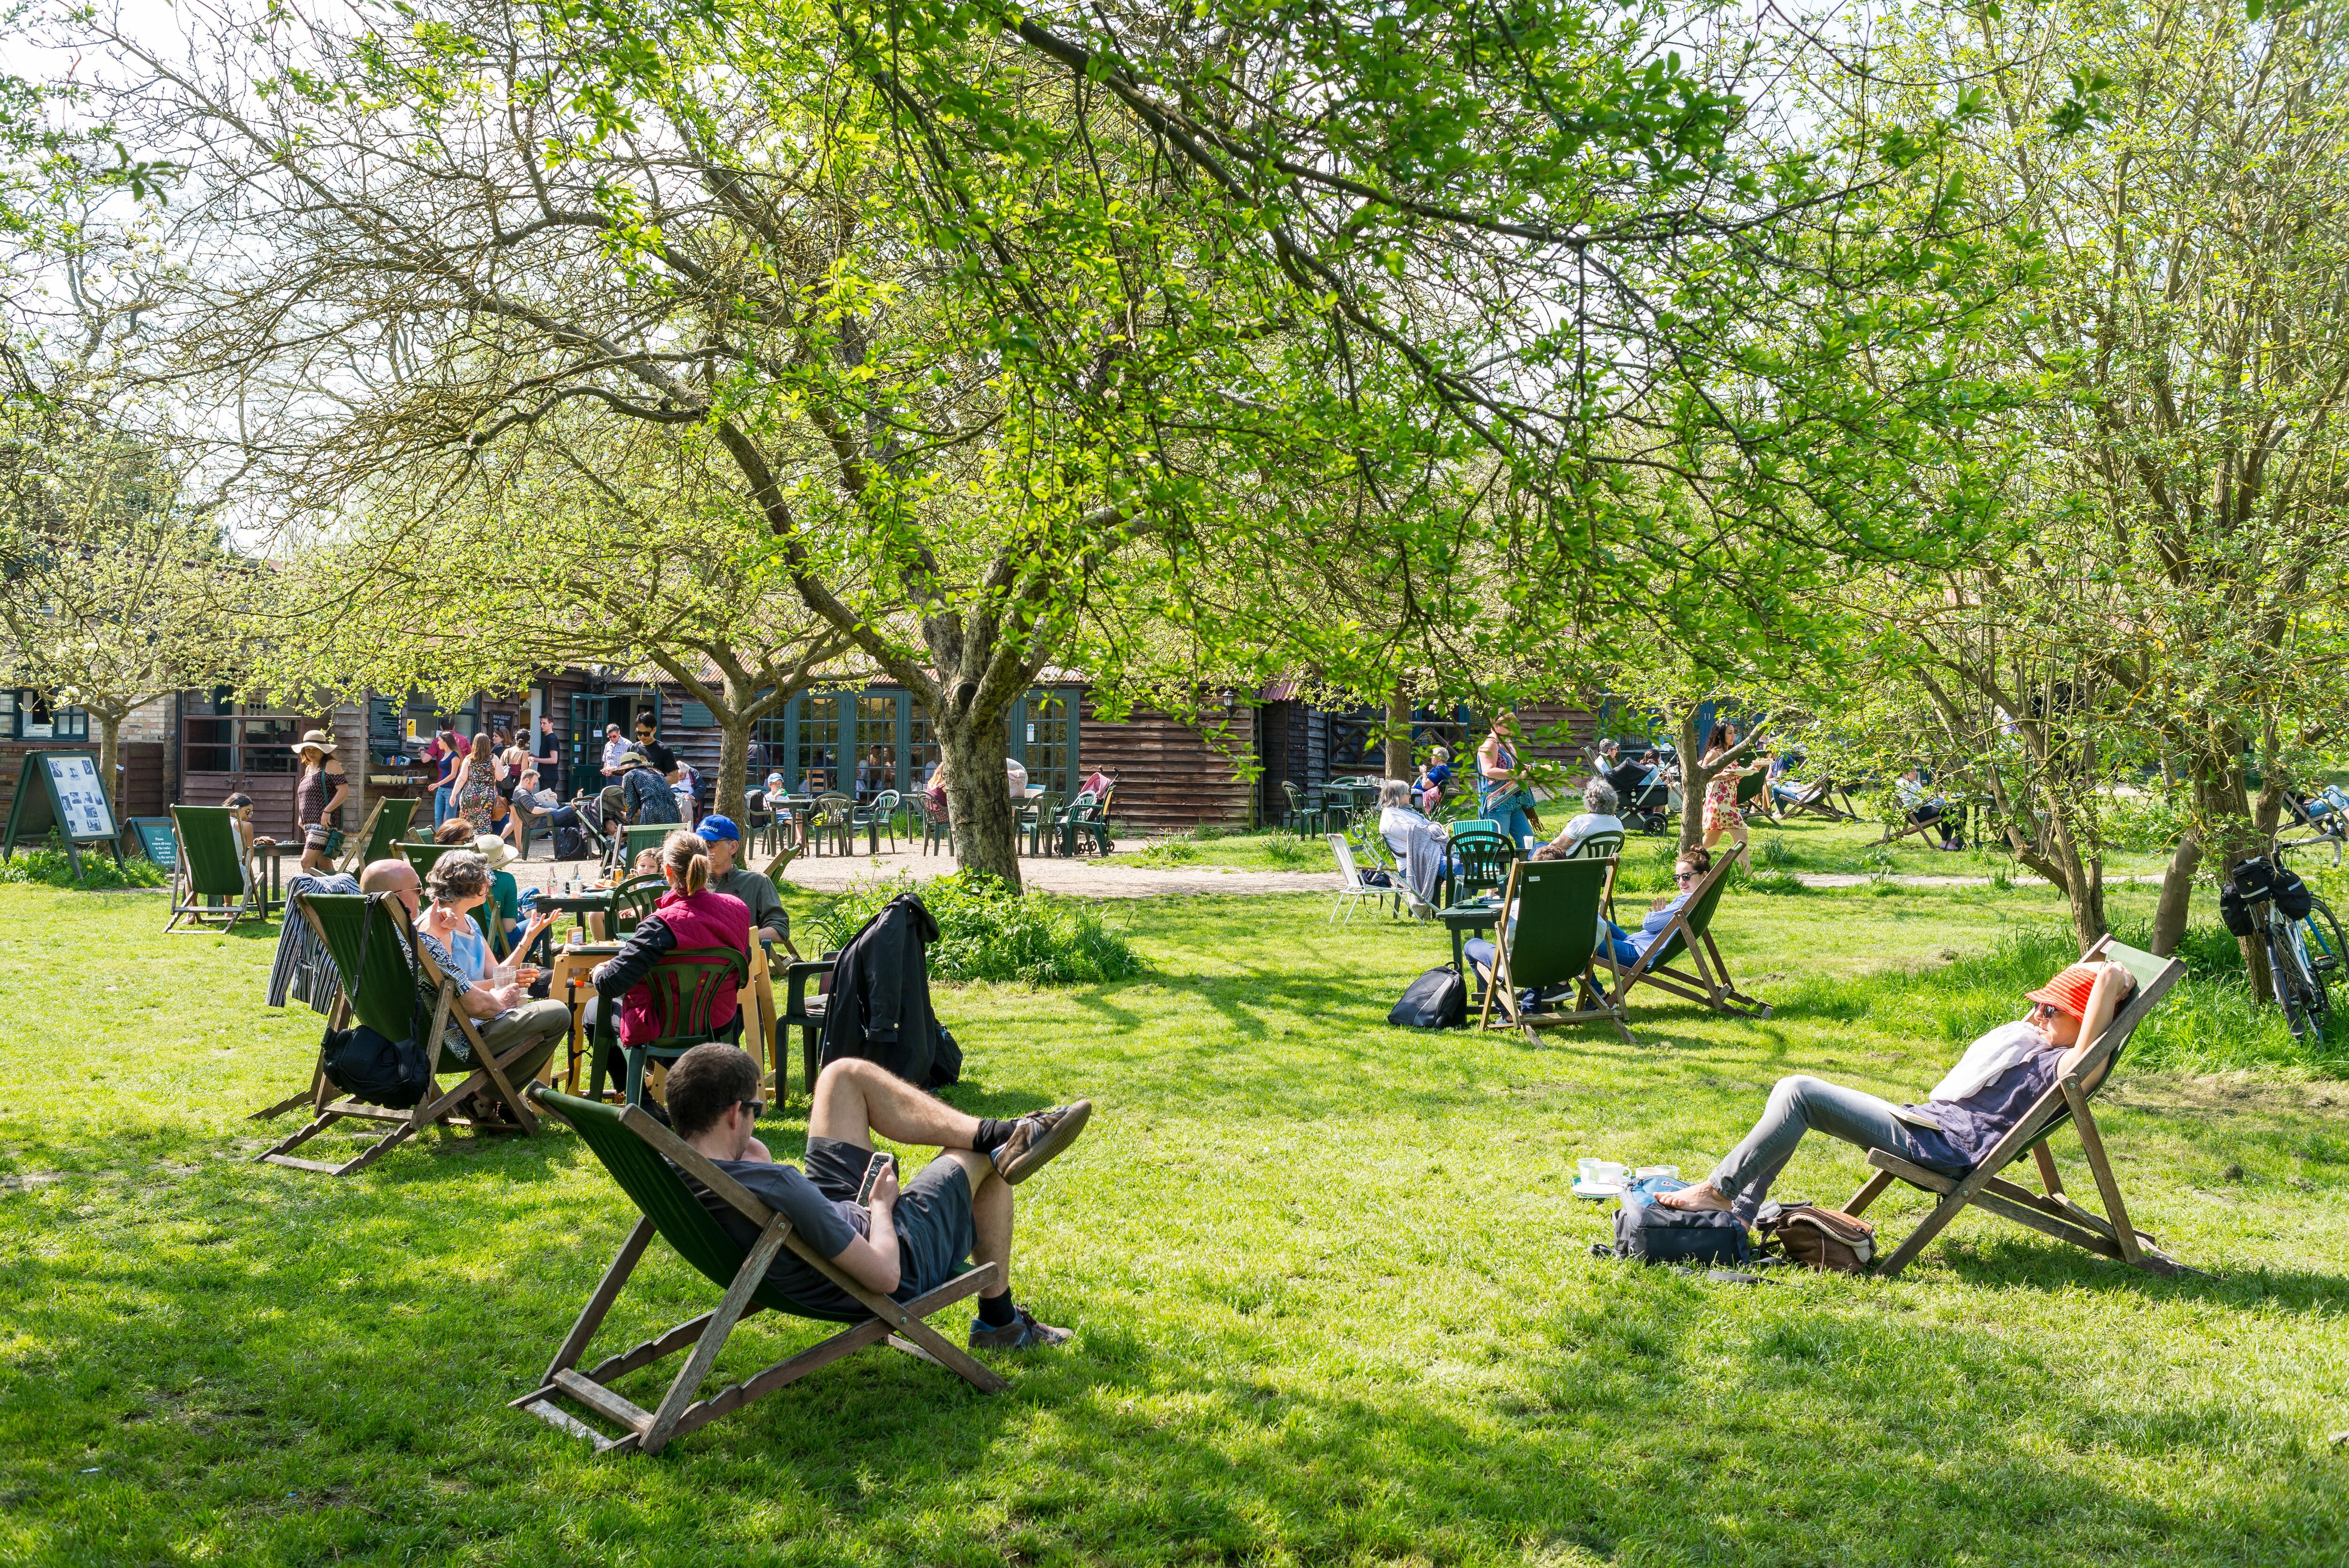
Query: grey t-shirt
{"x": 758, "y": 895}
{"x": 825, "y": 1225}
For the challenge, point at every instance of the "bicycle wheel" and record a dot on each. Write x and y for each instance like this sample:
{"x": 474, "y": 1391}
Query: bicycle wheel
{"x": 2328, "y": 951}
{"x": 2302, "y": 999}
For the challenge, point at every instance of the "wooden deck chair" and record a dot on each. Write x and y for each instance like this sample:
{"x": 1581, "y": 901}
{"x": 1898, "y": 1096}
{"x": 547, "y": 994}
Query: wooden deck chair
{"x": 1749, "y": 789}
{"x": 387, "y": 823}
{"x": 424, "y": 857}
{"x": 1689, "y": 934}
{"x": 210, "y": 865}
{"x": 645, "y": 1158}
{"x": 2049, "y": 1212}
{"x": 384, "y": 998}
{"x": 1817, "y": 800}
{"x": 1553, "y": 942}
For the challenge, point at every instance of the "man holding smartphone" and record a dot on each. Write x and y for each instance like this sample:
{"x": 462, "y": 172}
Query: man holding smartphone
{"x": 904, "y": 1242}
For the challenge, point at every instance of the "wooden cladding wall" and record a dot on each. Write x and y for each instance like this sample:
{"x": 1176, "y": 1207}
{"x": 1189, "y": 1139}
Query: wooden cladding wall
{"x": 1170, "y": 777}
{"x": 143, "y": 791}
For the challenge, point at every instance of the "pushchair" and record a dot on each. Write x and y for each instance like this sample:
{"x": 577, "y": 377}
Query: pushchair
{"x": 1651, "y": 803}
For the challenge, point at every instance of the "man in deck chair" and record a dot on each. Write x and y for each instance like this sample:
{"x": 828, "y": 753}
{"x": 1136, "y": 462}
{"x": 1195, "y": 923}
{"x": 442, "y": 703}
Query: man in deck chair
{"x": 909, "y": 1240}
{"x": 1996, "y": 1082}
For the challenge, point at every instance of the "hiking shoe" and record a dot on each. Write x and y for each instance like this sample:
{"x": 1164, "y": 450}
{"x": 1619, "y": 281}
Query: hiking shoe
{"x": 1036, "y": 1138}
{"x": 1022, "y": 1333}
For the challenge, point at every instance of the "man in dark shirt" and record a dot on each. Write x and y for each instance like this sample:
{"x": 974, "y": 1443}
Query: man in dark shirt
{"x": 546, "y": 756}
{"x": 904, "y": 1242}
{"x": 1977, "y": 1103}
{"x": 663, "y": 759}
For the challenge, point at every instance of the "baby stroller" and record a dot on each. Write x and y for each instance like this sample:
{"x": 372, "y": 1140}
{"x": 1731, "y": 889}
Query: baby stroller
{"x": 1650, "y": 804}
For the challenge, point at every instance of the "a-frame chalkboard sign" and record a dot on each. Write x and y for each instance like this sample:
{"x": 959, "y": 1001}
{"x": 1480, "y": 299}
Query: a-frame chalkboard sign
{"x": 61, "y": 790}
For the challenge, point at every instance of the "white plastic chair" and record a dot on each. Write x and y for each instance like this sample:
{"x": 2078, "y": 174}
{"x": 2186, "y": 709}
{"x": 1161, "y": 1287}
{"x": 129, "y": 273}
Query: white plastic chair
{"x": 1353, "y": 890}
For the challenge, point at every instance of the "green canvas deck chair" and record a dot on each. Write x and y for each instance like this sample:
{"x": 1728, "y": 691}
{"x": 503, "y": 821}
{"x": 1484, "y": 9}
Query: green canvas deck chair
{"x": 387, "y": 823}
{"x": 645, "y": 1158}
{"x": 209, "y": 890}
{"x": 384, "y": 999}
{"x": 684, "y": 983}
{"x": 1690, "y": 937}
{"x": 2049, "y": 1212}
{"x": 1749, "y": 789}
{"x": 424, "y": 857}
{"x": 1552, "y": 943}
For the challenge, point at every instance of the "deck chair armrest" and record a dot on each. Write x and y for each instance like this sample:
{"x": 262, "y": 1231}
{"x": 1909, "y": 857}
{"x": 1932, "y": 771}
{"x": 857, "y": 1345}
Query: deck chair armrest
{"x": 1915, "y": 1175}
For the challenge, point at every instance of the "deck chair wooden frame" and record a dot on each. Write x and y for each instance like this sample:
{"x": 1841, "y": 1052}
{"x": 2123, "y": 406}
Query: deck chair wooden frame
{"x": 377, "y": 1004}
{"x": 1690, "y": 933}
{"x": 1554, "y": 941}
{"x": 675, "y": 1213}
{"x": 2049, "y": 1212}
{"x": 388, "y": 821}
{"x": 1816, "y": 800}
{"x": 1904, "y": 829}
{"x": 208, "y": 854}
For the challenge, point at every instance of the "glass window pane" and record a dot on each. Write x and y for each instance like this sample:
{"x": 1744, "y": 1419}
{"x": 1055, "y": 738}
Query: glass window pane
{"x": 1047, "y": 736}
{"x": 818, "y": 763}
{"x": 210, "y": 744}
{"x": 265, "y": 744}
{"x": 921, "y": 749}
{"x": 876, "y": 742}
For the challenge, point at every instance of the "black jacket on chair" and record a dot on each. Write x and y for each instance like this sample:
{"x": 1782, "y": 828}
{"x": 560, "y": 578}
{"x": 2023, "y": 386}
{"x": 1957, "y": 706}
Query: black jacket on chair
{"x": 879, "y": 1008}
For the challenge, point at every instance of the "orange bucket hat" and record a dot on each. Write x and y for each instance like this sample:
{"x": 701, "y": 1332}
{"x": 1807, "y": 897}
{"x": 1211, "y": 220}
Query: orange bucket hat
{"x": 2068, "y": 991}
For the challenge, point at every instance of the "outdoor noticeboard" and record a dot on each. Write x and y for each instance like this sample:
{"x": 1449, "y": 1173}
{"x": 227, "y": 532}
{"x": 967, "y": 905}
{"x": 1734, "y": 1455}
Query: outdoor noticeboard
{"x": 61, "y": 790}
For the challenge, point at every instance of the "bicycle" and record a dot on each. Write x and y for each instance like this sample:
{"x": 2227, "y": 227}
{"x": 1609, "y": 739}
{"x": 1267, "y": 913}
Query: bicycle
{"x": 2306, "y": 953}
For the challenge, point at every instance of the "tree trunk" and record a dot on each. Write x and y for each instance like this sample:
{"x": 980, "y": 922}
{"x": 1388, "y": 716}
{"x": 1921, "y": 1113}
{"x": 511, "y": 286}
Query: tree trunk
{"x": 1399, "y": 733}
{"x": 109, "y": 748}
{"x": 733, "y": 763}
{"x": 987, "y": 834}
{"x": 1694, "y": 777}
{"x": 2224, "y": 799}
{"x": 2177, "y": 893}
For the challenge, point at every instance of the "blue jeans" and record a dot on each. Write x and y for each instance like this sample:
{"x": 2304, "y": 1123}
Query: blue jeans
{"x": 1803, "y": 1104}
{"x": 1511, "y": 820}
{"x": 439, "y": 807}
{"x": 1627, "y": 953}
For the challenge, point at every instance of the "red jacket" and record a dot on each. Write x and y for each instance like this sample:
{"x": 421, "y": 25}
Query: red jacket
{"x": 707, "y": 919}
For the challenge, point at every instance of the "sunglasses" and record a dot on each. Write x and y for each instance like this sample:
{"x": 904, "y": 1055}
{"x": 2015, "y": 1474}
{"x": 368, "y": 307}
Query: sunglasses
{"x": 1684, "y": 876}
{"x": 2041, "y": 1010}
{"x": 758, "y": 1107}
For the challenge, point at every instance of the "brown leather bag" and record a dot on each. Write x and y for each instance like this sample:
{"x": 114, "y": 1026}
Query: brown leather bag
{"x": 1825, "y": 1238}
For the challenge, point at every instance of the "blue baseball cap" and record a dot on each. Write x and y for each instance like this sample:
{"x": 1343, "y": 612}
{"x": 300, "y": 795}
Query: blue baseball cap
{"x": 713, "y": 828}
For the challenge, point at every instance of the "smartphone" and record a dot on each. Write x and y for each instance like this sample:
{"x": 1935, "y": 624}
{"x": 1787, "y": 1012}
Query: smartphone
{"x": 882, "y": 1161}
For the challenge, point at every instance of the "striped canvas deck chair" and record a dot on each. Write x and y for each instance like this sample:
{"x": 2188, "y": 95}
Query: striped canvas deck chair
{"x": 384, "y": 999}
{"x": 2049, "y": 1212}
{"x": 647, "y": 1159}
{"x": 211, "y": 890}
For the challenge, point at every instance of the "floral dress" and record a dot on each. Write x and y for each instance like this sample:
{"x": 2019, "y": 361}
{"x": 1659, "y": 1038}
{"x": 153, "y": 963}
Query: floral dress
{"x": 1720, "y": 800}
{"x": 476, "y": 797}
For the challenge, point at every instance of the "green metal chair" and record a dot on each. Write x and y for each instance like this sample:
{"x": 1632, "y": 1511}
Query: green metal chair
{"x": 684, "y": 983}
{"x": 937, "y": 824}
{"x": 651, "y": 1165}
{"x": 880, "y": 816}
{"x": 210, "y": 866}
{"x": 1481, "y": 857}
{"x": 367, "y": 937}
{"x": 1552, "y": 943}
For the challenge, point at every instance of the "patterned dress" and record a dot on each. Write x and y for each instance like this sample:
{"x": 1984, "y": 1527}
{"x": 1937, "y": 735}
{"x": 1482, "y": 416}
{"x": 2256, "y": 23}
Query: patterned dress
{"x": 476, "y": 797}
{"x": 1721, "y": 801}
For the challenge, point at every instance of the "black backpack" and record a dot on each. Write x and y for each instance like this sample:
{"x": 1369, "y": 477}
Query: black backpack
{"x": 1436, "y": 1000}
{"x": 570, "y": 842}
{"x": 1651, "y": 1234}
{"x": 395, "y": 1074}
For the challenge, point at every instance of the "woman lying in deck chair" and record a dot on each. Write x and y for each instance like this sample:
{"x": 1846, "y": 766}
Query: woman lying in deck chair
{"x": 1994, "y": 1083}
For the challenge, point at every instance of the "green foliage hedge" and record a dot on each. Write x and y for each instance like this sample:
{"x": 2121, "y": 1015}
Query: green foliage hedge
{"x": 989, "y": 932}
{"x": 51, "y": 866}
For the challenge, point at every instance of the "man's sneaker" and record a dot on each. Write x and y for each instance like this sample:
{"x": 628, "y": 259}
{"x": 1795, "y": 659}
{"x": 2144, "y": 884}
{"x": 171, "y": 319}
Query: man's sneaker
{"x": 1037, "y": 1137}
{"x": 1022, "y": 1333}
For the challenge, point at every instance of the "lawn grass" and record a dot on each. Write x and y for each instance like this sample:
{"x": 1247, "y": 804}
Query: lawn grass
{"x": 1334, "y": 1299}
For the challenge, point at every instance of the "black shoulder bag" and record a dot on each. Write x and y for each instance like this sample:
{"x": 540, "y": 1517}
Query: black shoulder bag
{"x": 361, "y": 1062}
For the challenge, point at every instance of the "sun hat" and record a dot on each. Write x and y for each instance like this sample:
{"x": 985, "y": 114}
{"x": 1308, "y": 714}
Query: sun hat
{"x": 494, "y": 849}
{"x": 632, "y": 758}
{"x": 715, "y": 828}
{"x": 2068, "y": 992}
{"x": 314, "y": 740}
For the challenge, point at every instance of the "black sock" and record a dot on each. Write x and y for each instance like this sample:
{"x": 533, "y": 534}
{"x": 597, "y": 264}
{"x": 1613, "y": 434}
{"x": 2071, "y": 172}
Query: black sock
{"x": 991, "y": 1135}
{"x": 996, "y": 1311}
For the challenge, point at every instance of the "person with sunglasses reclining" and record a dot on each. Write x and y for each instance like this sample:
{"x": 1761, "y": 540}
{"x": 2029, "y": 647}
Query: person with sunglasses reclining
{"x": 1687, "y": 873}
{"x": 1977, "y": 1102}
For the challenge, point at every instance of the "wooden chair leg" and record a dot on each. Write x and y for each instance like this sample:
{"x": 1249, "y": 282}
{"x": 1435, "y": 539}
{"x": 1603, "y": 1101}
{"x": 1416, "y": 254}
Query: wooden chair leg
{"x": 2091, "y": 1147}
{"x": 1927, "y": 1229}
{"x": 713, "y": 1338}
{"x": 1869, "y": 1190}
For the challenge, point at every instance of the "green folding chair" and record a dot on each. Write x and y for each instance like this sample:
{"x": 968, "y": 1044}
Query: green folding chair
{"x": 1554, "y": 941}
{"x": 2049, "y": 1212}
{"x": 1689, "y": 934}
{"x": 210, "y": 889}
{"x": 424, "y": 857}
{"x": 388, "y": 822}
{"x": 684, "y": 983}
{"x": 651, "y": 1163}
{"x": 366, "y": 935}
